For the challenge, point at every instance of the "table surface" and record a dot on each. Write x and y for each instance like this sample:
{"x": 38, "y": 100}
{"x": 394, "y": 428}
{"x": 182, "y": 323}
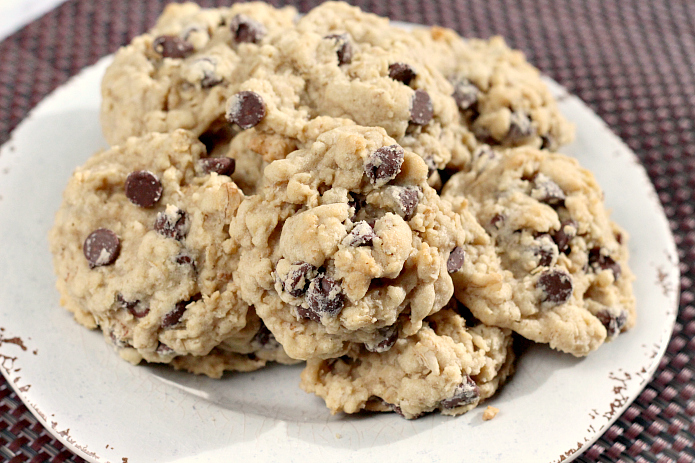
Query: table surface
{"x": 631, "y": 61}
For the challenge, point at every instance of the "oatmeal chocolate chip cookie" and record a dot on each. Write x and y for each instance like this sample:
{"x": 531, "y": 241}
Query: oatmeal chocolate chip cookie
{"x": 566, "y": 262}
{"x": 444, "y": 366}
{"x": 500, "y": 96}
{"x": 140, "y": 248}
{"x": 181, "y": 73}
{"x": 346, "y": 240}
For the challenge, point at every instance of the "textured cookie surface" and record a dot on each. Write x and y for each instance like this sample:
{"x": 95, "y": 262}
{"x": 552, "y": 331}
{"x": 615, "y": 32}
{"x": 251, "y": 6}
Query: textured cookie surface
{"x": 444, "y": 366}
{"x": 139, "y": 250}
{"x": 346, "y": 242}
{"x": 567, "y": 280}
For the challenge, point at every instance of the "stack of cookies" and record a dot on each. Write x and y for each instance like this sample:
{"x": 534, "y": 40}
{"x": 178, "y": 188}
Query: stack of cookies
{"x": 385, "y": 205}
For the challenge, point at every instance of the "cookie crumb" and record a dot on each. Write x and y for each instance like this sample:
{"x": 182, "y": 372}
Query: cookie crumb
{"x": 338, "y": 436}
{"x": 490, "y": 412}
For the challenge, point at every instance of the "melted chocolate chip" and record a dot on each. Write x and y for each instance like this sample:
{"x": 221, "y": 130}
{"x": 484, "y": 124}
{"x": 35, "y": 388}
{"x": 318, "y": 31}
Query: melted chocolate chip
{"x": 385, "y": 339}
{"x": 599, "y": 262}
{"x": 562, "y": 237}
{"x": 246, "y": 109}
{"x": 384, "y": 164}
{"x": 221, "y": 166}
{"x": 402, "y": 72}
{"x": 143, "y": 188}
{"x": 173, "y": 317}
{"x": 344, "y": 51}
{"x": 247, "y": 30}
{"x": 465, "y": 393}
{"x": 136, "y": 308}
{"x": 556, "y": 286}
{"x": 547, "y": 191}
{"x": 324, "y": 297}
{"x": 171, "y": 46}
{"x": 421, "y": 110}
{"x": 519, "y": 127}
{"x": 172, "y": 223}
{"x": 456, "y": 260}
{"x": 613, "y": 323}
{"x": 362, "y": 234}
{"x": 465, "y": 94}
{"x": 298, "y": 278}
{"x": 101, "y": 247}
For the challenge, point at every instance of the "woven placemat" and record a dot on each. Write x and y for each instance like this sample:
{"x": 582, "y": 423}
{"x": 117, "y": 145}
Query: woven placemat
{"x": 631, "y": 61}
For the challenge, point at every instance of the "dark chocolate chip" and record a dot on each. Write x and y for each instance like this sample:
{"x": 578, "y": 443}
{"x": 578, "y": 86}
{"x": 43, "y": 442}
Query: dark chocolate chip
{"x": 101, "y": 247}
{"x": 402, "y": 72}
{"x": 556, "y": 286}
{"x": 344, "y": 47}
{"x": 246, "y": 109}
{"x": 362, "y": 234}
{"x": 465, "y": 94}
{"x": 386, "y": 337}
{"x": 545, "y": 250}
{"x": 163, "y": 349}
{"x": 324, "y": 297}
{"x": 384, "y": 164}
{"x": 547, "y": 191}
{"x": 221, "y": 166}
{"x": 264, "y": 339}
{"x": 407, "y": 199}
{"x": 136, "y": 308}
{"x": 208, "y": 67}
{"x": 143, "y": 188}
{"x": 599, "y": 262}
{"x": 298, "y": 278}
{"x": 613, "y": 323}
{"x": 497, "y": 221}
{"x": 421, "y": 109}
{"x": 247, "y": 30}
{"x": 562, "y": 237}
{"x": 431, "y": 166}
{"x": 456, "y": 260}
{"x": 172, "y": 223}
{"x": 185, "y": 259}
{"x": 173, "y": 317}
{"x": 465, "y": 393}
{"x": 519, "y": 127}
{"x": 171, "y": 46}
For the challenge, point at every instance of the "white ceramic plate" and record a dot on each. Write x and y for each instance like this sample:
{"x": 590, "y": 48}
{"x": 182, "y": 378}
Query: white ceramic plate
{"x": 104, "y": 409}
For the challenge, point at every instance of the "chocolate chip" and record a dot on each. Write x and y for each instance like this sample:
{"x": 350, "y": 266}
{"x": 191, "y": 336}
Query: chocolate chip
{"x": 547, "y": 191}
{"x": 172, "y": 223}
{"x": 247, "y": 30}
{"x": 386, "y": 337}
{"x": 497, "y": 221}
{"x": 356, "y": 203}
{"x": 136, "y": 308}
{"x": 163, "y": 349}
{"x": 185, "y": 259}
{"x": 384, "y": 164}
{"x": 298, "y": 278}
{"x": 556, "y": 286}
{"x": 407, "y": 199}
{"x": 344, "y": 47}
{"x": 101, "y": 247}
{"x": 599, "y": 262}
{"x": 207, "y": 67}
{"x": 324, "y": 297}
{"x": 402, "y": 72}
{"x": 431, "y": 166}
{"x": 171, "y": 46}
{"x": 456, "y": 260}
{"x": 421, "y": 109}
{"x": 173, "y": 317}
{"x": 613, "y": 323}
{"x": 562, "y": 237}
{"x": 465, "y": 393}
{"x": 362, "y": 234}
{"x": 221, "y": 166}
{"x": 264, "y": 339}
{"x": 519, "y": 127}
{"x": 465, "y": 94}
{"x": 545, "y": 250}
{"x": 246, "y": 109}
{"x": 143, "y": 188}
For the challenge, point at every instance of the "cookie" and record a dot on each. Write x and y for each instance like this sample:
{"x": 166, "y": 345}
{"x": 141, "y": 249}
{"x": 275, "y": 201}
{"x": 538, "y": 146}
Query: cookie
{"x": 140, "y": 249}
{"x": 445, "y": 366}
{"x": 346, "y": 243}
{"x": 568, "y": 282}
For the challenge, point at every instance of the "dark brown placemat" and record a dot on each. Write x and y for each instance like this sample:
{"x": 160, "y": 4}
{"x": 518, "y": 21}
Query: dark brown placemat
{"x": 632, "y": 61}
